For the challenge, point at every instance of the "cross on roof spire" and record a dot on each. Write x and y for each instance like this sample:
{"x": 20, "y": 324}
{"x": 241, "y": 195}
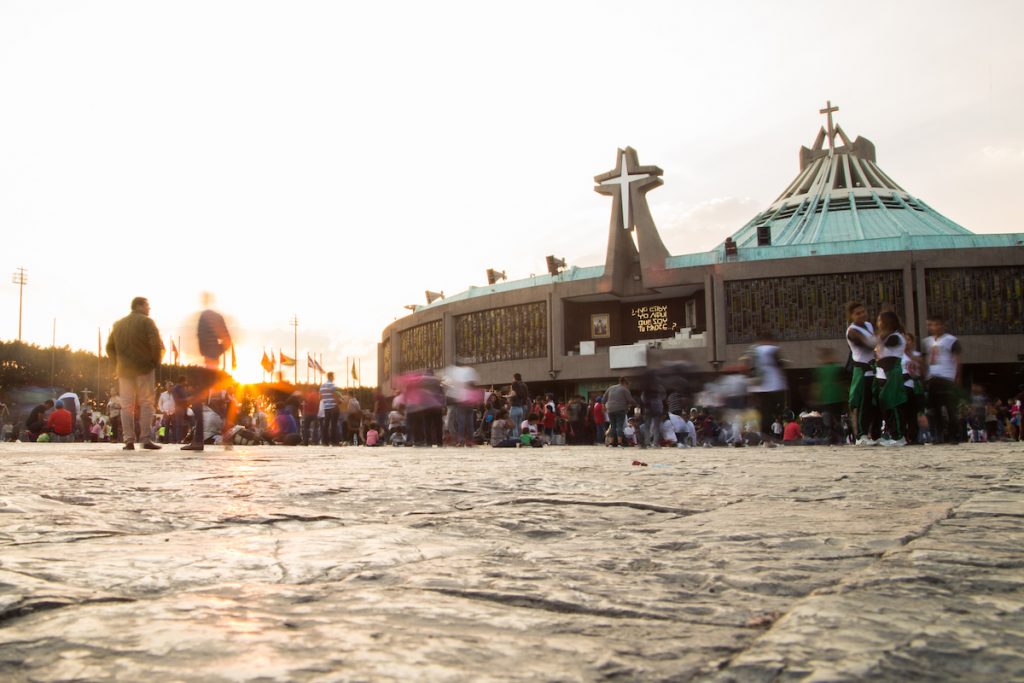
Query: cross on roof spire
{"x": 831, "y": 129}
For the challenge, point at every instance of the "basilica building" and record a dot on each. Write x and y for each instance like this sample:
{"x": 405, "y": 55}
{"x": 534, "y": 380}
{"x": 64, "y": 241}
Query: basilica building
{"x": 842, "y": 230}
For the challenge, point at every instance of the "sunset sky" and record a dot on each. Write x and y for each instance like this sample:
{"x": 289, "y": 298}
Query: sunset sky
{"x": 333, "y": 160}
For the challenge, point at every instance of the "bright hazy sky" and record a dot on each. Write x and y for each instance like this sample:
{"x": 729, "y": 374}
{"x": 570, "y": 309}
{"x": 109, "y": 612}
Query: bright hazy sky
{"x": 333, "y": 160}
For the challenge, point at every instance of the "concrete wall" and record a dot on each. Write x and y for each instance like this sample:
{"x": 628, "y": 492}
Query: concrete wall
{"x": 569, "y": 321}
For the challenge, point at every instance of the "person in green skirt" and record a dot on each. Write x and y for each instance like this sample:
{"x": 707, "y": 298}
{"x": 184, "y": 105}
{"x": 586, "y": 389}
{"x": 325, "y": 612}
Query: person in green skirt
{"x": 891, "y": 395}
{"x": 830, "y": 394}
{"x": 860, "y": 336}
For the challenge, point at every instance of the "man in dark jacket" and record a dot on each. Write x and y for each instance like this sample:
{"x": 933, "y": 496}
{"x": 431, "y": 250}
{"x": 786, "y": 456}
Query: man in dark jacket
{"x": 36, "y": 422}
{"x": 136, "y": 349}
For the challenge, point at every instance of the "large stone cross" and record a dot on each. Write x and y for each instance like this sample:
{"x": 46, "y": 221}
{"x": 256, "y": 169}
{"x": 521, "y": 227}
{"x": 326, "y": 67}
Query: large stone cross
{"x": 627, "y": 172}
{"x": 831, "y": 130}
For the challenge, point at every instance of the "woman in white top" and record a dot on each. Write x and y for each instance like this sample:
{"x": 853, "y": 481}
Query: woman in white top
{"x": 911, "y": 363}
{"x": 891, "y": 347}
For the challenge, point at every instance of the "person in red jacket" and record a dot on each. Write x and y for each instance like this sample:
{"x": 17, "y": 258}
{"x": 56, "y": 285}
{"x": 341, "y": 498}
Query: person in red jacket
{"x": 600, "y": 419}
{"x": 61, "y": 424}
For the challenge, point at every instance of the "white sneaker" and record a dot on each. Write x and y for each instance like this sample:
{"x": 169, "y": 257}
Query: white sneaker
{"x": 866, "y": 441}
{"x": 890, "y": 443}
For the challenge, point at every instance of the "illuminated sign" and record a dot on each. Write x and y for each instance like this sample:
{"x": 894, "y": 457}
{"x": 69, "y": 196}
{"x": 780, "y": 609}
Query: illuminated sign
{"x": 652, "y": 319}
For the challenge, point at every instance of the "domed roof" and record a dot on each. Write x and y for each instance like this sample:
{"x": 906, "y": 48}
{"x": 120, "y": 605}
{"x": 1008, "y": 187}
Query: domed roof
{"x": 841, "y": 194}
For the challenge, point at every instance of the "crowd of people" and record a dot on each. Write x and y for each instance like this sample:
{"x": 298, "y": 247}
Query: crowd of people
{"x": 889, "y": 394}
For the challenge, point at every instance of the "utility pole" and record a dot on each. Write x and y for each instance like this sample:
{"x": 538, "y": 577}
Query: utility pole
{"x": 53, "y": 353}
{"x": 20, "y": 278}
{"x": 294, "y": 322}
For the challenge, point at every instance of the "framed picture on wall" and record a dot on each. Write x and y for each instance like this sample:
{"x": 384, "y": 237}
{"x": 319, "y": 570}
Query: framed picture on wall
{"x": 600, "y": 326}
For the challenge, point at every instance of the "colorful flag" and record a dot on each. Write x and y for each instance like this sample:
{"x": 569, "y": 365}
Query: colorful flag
{"x": 174, "y": 351}
{"x": 285, "y": 360}
{"x": 309, "y": 362}
{"x": 267, "y": 362}
{"x": 234, "y": 360}
{"x": 354, "y": 375}
{"x": 319, "y": 368}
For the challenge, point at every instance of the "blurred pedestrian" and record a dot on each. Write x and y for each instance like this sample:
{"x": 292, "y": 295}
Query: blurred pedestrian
{"x": 214, "y": 341}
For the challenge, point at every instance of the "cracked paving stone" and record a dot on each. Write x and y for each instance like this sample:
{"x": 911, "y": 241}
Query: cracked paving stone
{"x": 559, "y": 564}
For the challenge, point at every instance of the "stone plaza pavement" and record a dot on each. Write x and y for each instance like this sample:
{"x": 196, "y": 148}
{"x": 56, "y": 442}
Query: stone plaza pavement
{"x": 559, "y": 564}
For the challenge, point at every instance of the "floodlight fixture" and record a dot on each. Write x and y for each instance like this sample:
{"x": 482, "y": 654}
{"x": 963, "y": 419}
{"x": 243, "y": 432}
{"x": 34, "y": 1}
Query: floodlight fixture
{"x": 555, "y": 265}
{"x": 433, "y": 296}
{"x": 493, "y": 276}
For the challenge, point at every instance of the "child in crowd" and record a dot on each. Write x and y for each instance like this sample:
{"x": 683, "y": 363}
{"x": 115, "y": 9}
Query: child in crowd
{"x": 396, "y": 418}
{"x": 529, "y": 431}
{"x": 791, "y": 434}
{"x": 550, "y": 418}
{"x": 501, "y": 431}
{"x": 398, "y": 436}
{"x": 686, "y": 431}
{"x": 668, "y": 432}
{"x": 629, "y": 432}
{"x": 372, "y": 437}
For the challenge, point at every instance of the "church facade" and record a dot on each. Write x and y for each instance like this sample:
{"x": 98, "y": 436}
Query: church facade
{"x": 842, "y": 230}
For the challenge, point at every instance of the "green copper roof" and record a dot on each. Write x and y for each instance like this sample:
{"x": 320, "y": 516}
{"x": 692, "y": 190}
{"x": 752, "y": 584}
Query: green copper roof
{"x": 841, "y": 202}
{"x": 857, "y": 246}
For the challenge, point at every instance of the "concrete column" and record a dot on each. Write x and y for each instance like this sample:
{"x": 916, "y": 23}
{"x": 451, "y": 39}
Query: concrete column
{"x": 921, "y": 319}
{"x": 395, "y": 352}
{"x": 709, "y": 316}
{"x": 720, "y": 316}
{"x": 909, "y": 305}
{"x": 556, "y": 331}
{"x": 380, "y": 367}
{"x": 448, "y": 338}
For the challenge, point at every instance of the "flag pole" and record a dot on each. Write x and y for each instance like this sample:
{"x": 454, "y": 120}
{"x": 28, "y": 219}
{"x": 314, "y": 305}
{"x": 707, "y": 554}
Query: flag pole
{"x": 99, "y": 359}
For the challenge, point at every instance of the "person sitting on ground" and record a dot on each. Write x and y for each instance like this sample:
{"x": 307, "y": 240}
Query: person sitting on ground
{"x": 791, "y": 434}
{"x": 98, "y": 431}
{"x": 629, "y": 432}
{"x": 397, "y": 437}
{"x": 372, "y": 437}
{"x": 686, "y": 434}
{"x": 668, "y": 432}
{"x": 530, "y": 431}
{"x": 501, "y": 431}
{"x": 36, "y": 422}
{"x": 286, "y": 429}
{"x": 61, "y": 424}
{"x": 396, "y": 418}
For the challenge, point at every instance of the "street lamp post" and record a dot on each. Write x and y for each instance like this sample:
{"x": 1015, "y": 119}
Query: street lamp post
{"x": 20, "y": 278}
{"x": 294, "y": 322}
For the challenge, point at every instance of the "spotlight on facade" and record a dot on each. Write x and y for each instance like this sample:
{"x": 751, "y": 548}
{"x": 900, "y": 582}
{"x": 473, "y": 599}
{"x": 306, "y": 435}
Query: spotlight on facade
{"x": 730, "y": 247}
{"x": 433, "y": 296}
{"x": 411, "y": 307}
{"x": 494, "y": 275}
{"x": 555, "y": 265}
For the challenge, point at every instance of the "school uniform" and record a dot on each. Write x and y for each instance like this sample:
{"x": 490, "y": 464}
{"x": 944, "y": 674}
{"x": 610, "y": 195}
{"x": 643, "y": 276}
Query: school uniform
{"x": 861, "y": 340}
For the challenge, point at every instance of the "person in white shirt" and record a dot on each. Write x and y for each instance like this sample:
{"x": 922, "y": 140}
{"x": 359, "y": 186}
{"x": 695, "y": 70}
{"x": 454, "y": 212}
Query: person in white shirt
{"x": 165, "y": 406}
{"x": 860, "y": 337}
{"x": 668, "y": 433}
{"x": 942, "y": 353}
{"x": 769, "y": 385}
